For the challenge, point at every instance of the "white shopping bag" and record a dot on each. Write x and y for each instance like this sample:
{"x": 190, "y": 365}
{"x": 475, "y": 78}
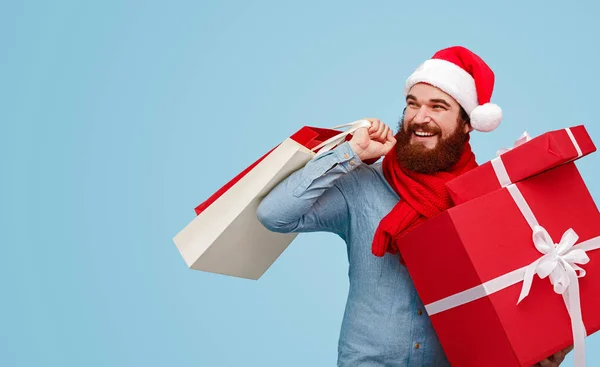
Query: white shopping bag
{"x": 226, "y": 236}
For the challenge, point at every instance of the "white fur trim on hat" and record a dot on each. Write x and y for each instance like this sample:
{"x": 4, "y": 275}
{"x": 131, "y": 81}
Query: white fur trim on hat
{"x": 448, "y": 77}
{"x": 486, "y": 117}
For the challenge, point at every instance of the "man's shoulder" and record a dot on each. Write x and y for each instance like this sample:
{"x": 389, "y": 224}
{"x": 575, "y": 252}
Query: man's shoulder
{"x": 367, "y": 191}
{"x": 362, "y": 177}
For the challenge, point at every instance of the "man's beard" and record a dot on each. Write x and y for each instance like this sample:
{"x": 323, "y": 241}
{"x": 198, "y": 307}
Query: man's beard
{"x": 416, "y": 157}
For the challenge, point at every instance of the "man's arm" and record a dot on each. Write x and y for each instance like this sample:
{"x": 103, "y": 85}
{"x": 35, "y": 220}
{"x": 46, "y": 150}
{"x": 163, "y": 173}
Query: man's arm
{"x": 308, "y": 200}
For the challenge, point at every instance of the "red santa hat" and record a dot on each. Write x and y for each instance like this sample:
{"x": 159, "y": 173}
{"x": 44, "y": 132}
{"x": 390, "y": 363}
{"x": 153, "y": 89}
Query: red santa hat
{"x": 467, "y": 78}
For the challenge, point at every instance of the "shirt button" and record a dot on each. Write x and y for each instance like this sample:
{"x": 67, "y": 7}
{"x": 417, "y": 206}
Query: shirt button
{"x": 417, "y": 346}
{"x": 352, "y": 163}
{"x": 419, "y": 312}
{"x": 346, "y": 155}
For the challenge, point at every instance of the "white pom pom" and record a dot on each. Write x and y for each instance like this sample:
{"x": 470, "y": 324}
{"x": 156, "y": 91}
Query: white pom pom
{"x": 486, "y": 117}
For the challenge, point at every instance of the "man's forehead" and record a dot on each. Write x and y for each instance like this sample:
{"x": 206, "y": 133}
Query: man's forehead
{"x": 426, "y": 91}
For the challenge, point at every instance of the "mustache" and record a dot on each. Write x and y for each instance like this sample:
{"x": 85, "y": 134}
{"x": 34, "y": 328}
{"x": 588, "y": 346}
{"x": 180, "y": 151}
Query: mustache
{"x": 428, "y": 128}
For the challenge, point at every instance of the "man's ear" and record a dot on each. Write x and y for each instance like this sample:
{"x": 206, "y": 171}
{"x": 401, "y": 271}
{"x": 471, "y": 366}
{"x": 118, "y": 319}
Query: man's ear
{"x": 468, "y": 128}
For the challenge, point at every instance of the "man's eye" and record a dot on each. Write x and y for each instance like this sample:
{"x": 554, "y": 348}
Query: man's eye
{"x": 438, "y": 107}
{"x": 411, "y": 104}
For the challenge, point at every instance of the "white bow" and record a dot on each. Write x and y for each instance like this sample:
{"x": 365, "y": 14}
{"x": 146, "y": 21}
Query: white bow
{"x": 524, "y": 138}
{"x": 559, "y": 261}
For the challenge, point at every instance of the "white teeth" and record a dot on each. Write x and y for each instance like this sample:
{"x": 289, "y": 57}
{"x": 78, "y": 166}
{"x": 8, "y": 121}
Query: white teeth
{"x": 423, "y": 134}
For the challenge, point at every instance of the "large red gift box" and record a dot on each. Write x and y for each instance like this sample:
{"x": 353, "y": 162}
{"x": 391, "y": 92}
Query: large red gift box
{"x": 469, "y": 263}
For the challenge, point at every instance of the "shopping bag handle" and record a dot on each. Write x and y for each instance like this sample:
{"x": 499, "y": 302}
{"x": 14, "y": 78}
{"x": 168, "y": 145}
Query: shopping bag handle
{"x": 331, "y": 143}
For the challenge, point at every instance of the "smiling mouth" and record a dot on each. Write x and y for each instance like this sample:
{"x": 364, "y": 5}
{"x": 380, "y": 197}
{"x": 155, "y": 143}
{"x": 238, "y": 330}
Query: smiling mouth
{"x": 423, "y": 134}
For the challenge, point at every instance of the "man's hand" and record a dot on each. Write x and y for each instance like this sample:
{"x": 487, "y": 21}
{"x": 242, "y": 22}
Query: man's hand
{"x": 555, "y": 360}
{"x": 373, "y": 142}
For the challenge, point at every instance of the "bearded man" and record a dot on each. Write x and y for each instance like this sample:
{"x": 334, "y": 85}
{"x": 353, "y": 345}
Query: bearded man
{"x": 371, "y": 206}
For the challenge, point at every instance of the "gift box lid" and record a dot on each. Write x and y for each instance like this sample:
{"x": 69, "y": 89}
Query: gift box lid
{"x": 535, "y": 156}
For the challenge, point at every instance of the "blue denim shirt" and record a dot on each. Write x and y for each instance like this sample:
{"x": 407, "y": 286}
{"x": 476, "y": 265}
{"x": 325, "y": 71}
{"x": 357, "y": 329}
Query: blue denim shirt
{"x": 384, "y": 323}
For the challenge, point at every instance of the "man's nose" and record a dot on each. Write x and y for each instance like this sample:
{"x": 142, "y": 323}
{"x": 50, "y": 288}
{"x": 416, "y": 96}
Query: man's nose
{"x": 422, "y": 116}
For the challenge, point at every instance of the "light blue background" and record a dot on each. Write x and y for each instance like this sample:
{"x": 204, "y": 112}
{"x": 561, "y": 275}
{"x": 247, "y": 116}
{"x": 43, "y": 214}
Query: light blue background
{"x": 119, "y": 117}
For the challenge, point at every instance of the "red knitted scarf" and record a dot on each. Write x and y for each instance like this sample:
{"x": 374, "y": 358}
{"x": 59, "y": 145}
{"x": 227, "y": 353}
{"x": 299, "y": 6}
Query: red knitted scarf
{"x": 422, "y": 196}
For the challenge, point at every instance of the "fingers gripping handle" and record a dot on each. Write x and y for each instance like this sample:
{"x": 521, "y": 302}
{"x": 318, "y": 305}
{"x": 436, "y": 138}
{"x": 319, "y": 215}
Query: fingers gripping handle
{"x": 331, "y": 143}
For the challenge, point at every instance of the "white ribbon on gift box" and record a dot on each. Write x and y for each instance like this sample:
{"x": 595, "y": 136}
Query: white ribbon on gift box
{"x": 524, "y": 138}
{"x": 559, "y": 262}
